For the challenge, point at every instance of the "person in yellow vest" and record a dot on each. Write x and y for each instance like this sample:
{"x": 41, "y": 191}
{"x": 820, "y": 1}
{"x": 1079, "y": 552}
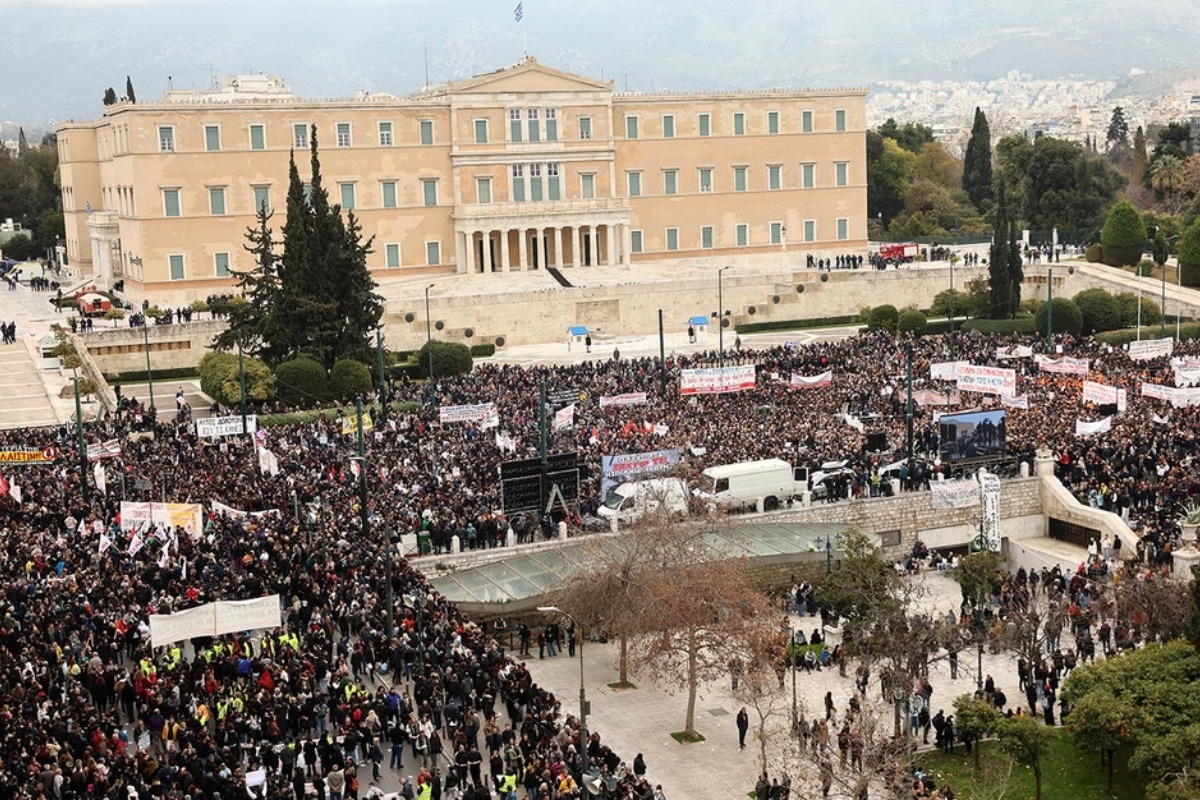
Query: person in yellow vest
{"x": 508, "y": 785}
{"x": 202, "y": 714}
{"x": 425, "y": 791}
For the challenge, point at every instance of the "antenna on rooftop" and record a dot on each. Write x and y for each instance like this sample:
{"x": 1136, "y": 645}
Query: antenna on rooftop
{"x": 212, "y": 77}
{"x": 427, "y": 65}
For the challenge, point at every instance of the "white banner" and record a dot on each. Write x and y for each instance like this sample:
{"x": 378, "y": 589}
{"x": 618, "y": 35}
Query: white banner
{"x": 1151, "y": 348}
{"x": 268, "y": 464}
{"x": 854, "y": 422}
{"x": 564, "y": 418}
{"x": 216, "y": 427}
{"x": 630, "y": 399}
{"x": 214, "y": 619}
{"x": 109, "y": 449}
{"x": 933, "y": 397}
{"x": 473, "y": 413}
{"x": 1187, "y": 377}
{"x": 1016, "y": 351}
{"x": 990, "y": 484}
{"x": 1103, "y": 394}
{"x": 100, "y": 477}
{"x": 1015, "y": 402}
{"x": 186, "y": 624}
{"x": 1180, "y": 398}
{"x": 188, "y": 516}
{"x": 946, "y": 370}
{"x": 228, "y": 511}
{"x": 815, "y": 382}
{"x": 717, "y": 380}
{"x": 1063, "y": 366}
{"x": 954, "y": 494}
{"x": 987, "y": 380}
{"x": 1089, "y": 428}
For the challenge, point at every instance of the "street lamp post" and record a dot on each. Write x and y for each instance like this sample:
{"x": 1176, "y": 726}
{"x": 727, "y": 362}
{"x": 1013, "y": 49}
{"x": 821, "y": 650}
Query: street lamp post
{"x": 899, "y": 694}
{"x": 952, "y": 345}
{"x": 583, "y": 706}
{"x": 1049, "y": 309}
{"x": 721, "y": 316}
{"x": 977, "y": 615}
{"x": 149, "y": 374}
{"x": 429, "y": 348}
{"x": 795, "y": 707}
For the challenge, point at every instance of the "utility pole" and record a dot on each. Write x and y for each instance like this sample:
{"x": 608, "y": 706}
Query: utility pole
{"x": 662, "y": 351}
{"x": 242, "y": 382}
{"x": 82, "y": 444}
{"x": 149, "y": 374}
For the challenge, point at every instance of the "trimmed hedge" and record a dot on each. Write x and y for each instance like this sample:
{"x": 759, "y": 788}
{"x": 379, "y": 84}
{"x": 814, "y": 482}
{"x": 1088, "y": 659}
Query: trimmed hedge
{"x": 1094, "y": 254}
{"x": 912, "y": 321}
{"x": 483, "y": 350}
{"x": 1100, "y": 310}
{"x": 449, "y": 358}
{"x": 1190, "y": 330}
{"x": 306, "y": 417}
{"x": 136, "y": 376}
{"x": 349, "y": 378}
{"x": 1123, "y": 236}
{"x": 1067, "y": 317}
{"x": 302, "y": 381}
{"x": 795, "y": 324}
{"x": 410, "y": 371}
{"x": 884, "y": 317}
{"x": 1018, "y": 325}
{"x": 1189, "y": 256}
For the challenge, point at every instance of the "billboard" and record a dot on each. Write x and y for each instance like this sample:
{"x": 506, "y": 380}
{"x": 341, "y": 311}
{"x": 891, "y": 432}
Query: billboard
{"x": 976, "y": 434}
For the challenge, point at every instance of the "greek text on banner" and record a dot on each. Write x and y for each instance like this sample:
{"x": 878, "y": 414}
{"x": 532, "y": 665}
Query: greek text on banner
{"x": 717, "y": 380}
{"x": 473, "y": 413}
{"x": 630, "y": 399}
{"x": 214, "y": 427}
{"x": 987, "y": 380}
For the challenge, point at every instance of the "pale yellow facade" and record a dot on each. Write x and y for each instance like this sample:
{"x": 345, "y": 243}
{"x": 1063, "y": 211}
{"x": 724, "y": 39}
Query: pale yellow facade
{"x": 519, "y": 169}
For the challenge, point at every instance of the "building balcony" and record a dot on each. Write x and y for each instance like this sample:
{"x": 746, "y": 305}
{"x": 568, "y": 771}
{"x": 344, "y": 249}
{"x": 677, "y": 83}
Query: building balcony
{"x": 550, "y": 212}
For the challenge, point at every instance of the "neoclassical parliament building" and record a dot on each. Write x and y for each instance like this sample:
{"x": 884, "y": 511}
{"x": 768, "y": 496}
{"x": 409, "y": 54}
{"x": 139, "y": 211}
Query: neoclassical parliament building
{"x": 519, "y": 169}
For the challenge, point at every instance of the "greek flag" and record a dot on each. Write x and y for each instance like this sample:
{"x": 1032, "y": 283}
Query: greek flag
{"x": 519, "y": 11}
{"x": 87, "y": 207}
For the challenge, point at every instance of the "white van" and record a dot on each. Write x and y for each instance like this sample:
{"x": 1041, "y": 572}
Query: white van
{"x": 761, "y": 484}
{"x": 629, "y": 502}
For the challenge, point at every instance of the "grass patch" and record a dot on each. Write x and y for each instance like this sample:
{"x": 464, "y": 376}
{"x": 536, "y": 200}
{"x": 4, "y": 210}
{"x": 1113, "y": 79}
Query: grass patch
{"x": 1066, "y": 773}
{"x": 619, "y": 685}
{"x": 683, "y": 738}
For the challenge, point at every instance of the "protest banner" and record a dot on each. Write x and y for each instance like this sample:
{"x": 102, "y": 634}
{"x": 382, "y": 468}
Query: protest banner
{"x": 946, "y": 370}
{"x": 139, "y": 516}
{"x": 629, "y": 399}
{"x": 1102, "y": 394}
{"x": 619, "y": 468}
{"x": 27, "y": 456}
{"x": 932, "y": 397}
{"x": 987, "y": 380}
{"x": 717, "y": 380}
{"x": 228, "y": 511}
{"x": 1015, "y": 402}
{"x": 1063, "y": 366}
{"x": 215, "y": 619}
{"x": 1185, "y": 376}
{"x": 1151, "y": 348}
{"x": 815, "y": 382}
{"x": 564, "y": 418}
{"x": 954, "y": 494}
{"x": 1090, "y": 428}
{"x": 216, "y": 427}
{"x": 350, "y": 424}
{"x": 102, "y": 450}
{"x": 478, "y": 412}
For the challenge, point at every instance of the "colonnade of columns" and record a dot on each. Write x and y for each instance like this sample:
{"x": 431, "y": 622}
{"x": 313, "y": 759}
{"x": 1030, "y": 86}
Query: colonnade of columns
{"x": 529, "y": 248}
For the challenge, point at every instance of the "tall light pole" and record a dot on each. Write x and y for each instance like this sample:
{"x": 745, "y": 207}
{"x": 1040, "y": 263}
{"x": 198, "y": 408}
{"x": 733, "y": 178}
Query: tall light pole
{"x": 721, "y": 316}
{"x": 83, "y": 478}
{"x": 149, "y": 375}
{"x": 382, "y": 379}
{"x": 242, "y": 383}
{"x": 365, "y": 516}
{"x": 583, "y": 706}
{"x": 1050, "y": 310}
{"x": 792, "y": 653}
{"x": 429, "y": 335}
{"x": 952, "y": 346}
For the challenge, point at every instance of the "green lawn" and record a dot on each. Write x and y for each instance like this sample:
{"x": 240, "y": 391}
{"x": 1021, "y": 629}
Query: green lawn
{"x": 1067, "y": 773}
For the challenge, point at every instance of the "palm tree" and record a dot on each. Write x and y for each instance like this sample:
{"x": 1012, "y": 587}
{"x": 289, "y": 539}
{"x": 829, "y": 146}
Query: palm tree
{"x": 1166, "y": 174}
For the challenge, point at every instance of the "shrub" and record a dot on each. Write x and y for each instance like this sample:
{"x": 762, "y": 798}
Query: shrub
{"x": 483, "y": 350}
{"x": 199, "y": 306}
{"x": 1144, "y": 268}
{"x": 1099, "y": 309}
{"x": 302, "y": 381}
{"x": 963, "y": 305}
{"x": 1067, "y": 318}
{"x": 1190, "y": 330}
{"x": 1129, "y": 310}
{"x": 409, "y": 370}
{"x": 219, "y": 378}
{"x": 1030, "y": 305}
{"x": 449, "y": 358}
{"x": 1094, "y": 254}
{"x": 1123, "y": 235}
{"x": 1189, "y": 256}
{"x": 911, "y": 321}
{"x": 349, "y": 378}
{"x": 1018, "y": 325}
{"x": 795, "y": 324}
{"x": 884, "y": 317}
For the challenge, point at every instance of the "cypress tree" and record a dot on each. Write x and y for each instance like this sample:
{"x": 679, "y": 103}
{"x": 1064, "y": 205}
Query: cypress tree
{"x": 1016, "y": 272}
{"x": 22, "y": 142}
{"x": 999, "y": 259}
{"x": 129, "y": 90}
{"x": 977, "y": 162}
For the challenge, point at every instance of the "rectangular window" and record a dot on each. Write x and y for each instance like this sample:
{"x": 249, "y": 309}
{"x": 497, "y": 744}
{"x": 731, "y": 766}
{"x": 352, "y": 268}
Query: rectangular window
{"x": 635, "y": 184}
{"x": 166, "y": 139}
{"x": 668, "y": 122}
{"x": 670, "y": 181}
{"x": 262, "y": 198}
{"x": 706, "y": 237}
{"x": 553, "y": 187}
{"x": 706, "y": 179}
{"x": 176, "y": 265}
{"x": 743, "y": 235}
{"x": 704, "y": 124}
{"x": 307, "y": 189}
{"x": 387, "y": 194}
{"x": 518, "y": 183}
{"x": 585, "y": 127}
{"x": 739, "y": 179}
{"x": 534, "y": 126}
{"x": 739, "y": 124}
{"x": 535, "y": 182}
{"x": 839, "y": 120}
{"x": 483, "y": 190}
{"x": 775, "y": 176}
{"x": 635, "y": 241}
{"x": 212, "y": 138}
{"x": 806, "y": 121}
{"x": 843, "y": 229}
{"x": 171, "y": 203}
{"x": 551, "y": 125}
{"x": 772, "y": 122}
{"x": 514, "y": 124}
{"x": 433, "y": 254}
{"x": 810, "y": 230}
{"x": 347, "y": 192}
{"x": 300, "y": 135}
{"x": 385, "y": 134}
{"x": 258, "y": 137}
{"x": 429, "y": 191}
{"x": 776, "y": 233}
{"x": 841, "y": 172}
{"x": 631, "y": 127}
{"x": 481, "y": 131}
{"x": 809, "y": 172}
{"x": 587, "y": 186}
{"x": 221, "y": 264}
{"x": 216, "y": 201}
{"x": 343, "y": 134}
{"x": 426, "y": 132}
{"x": 672, "y": 238}
{"x": 392, "y": 255}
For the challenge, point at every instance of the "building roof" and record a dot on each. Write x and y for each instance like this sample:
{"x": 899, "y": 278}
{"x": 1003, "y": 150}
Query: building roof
{"x": 578, "y": 330}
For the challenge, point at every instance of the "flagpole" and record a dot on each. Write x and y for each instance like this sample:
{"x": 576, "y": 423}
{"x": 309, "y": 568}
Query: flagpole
{"x": 524, "y": 39}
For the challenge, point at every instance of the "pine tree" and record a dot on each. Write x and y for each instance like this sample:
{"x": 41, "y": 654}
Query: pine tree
{"x": 1118, "y": 128}
{"x": 256, "y": 320}
{"x": 999, "y": 258}
{"x": 358, "y": 305}
{"x": 977, "y": 162}
{"x": 129, "y": 90}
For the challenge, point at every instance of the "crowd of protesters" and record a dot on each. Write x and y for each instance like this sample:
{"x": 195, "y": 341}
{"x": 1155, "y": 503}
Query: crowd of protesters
{"x": 89, "y": 709}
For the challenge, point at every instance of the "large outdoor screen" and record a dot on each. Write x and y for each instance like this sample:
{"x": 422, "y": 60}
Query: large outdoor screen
{"x": 973, "y": 435}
